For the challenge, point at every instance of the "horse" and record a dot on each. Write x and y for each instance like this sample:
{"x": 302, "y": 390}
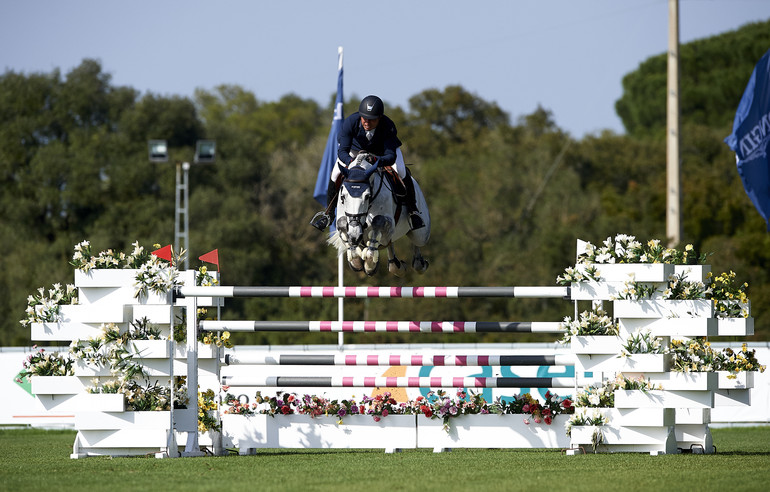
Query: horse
{"x": 369, "y": 217}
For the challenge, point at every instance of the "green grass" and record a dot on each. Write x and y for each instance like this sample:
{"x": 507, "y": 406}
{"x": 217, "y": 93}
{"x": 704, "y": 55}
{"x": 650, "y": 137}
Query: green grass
{"x": 38, "y": 460}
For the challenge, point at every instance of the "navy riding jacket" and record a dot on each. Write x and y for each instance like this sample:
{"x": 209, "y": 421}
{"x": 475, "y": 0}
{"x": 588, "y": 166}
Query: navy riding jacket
{"x": 352, "y": 138}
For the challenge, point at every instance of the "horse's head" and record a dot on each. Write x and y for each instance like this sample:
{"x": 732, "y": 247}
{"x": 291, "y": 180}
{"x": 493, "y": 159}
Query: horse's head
{"x": 354, "y": 201}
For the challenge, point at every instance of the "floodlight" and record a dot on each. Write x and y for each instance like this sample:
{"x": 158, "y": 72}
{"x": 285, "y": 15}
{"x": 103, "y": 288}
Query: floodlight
{"x": 205, "y": 151}
{"x": 158, "y": 150}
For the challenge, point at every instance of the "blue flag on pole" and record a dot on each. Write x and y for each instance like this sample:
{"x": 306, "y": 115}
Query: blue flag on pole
{"x": 751, "y": 136}
{"x": 330, "y": 153}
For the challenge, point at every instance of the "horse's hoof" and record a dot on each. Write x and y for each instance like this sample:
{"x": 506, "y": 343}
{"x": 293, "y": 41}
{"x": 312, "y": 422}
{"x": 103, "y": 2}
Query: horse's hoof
{"x": 420, "y": 264}
{"x": 355, "y": 262}
{"x": 371, "y": 269}
{"x": 396, "y": 267}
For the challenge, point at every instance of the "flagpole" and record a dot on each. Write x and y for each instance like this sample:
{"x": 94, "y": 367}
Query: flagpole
{"x": 340, "y": 263}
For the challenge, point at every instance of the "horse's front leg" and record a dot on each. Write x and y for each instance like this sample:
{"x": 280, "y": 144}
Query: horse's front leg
{"x": 419, "y": 263}
{"x": 379, "y": 235}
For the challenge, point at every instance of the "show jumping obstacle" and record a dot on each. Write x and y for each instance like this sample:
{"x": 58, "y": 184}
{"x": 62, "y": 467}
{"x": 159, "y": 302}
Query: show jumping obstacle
{"x": 654, "y": 421}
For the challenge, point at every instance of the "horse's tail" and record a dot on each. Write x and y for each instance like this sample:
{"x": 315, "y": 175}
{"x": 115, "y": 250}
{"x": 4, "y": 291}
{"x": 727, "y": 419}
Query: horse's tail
{"x": 336, "y": 241}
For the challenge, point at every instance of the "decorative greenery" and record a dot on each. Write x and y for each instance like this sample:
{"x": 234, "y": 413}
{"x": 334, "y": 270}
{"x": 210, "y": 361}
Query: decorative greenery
{"x": 637, "y": 291}
{"x": 84, "y": 260}
{"x": 584, "y": 418}
{"x": 573, "y": 275}
{"x": 598, "y": 395}
{"x": 44, "y": 307}
{"x": 111, "y": 350}
{"x": 540, "y": 412}
{"x": 204, "y": 279}
{"x": 40, "y": 363}
{"x": 679, "y": 288}
{"x": 729, "y": 297}
{"x": 696, "y": 355}
{"x": 594, "y": 322}
{"x": 627, "y": 249}
{"x": 642, "y": 342}
{"x": 207, "y": 404}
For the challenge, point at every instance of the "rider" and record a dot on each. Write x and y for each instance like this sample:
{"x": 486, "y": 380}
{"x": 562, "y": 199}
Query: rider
{"x": 370, "y": 131}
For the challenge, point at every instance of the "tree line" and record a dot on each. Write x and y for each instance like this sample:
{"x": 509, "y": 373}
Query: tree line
{"x": 508, "y": 199}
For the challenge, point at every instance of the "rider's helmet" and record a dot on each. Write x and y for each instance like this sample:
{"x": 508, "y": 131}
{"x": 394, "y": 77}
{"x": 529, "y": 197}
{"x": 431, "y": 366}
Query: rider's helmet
{"x": 371, "y": 107}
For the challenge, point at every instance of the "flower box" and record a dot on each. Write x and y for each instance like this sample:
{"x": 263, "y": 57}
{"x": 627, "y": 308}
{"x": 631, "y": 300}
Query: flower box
{"x": 106, "y": 277}
{"x": 663, "y": 399}
{"x": 736, "y": 380}
{"x": 83, "y": 402}
{"x": 732, "y": 397}
{"x": 56, "y": 385}
{"x": 154, "y": 298}
{"x": 596, "y": 344}
{"x": 636, "y": 272}
{"x": 491, "y": 431}
{"x": 645, "y": 363}
{"x": 626, "y": 439}
{"x": 84, "y": 313}
{"x": 63, "y": 331}
{"x": 122, "y": 420}
{"x": 693, "y": 273}
{"x": 150, "y": 349}
{"x": 142, "y": 439}
{"x": 735, "y": 327}
{"x": 691, "y": 416}
{"x": 695, "y": 381}
{"x": 699, "y": 308}
{"x": 155, "y": 313}
{"x": 153, "y": 367}
{"x": 592, "y": 290}
{"x": 694, "y": 436}
{"x": 301, "y": 431}
{"x": 106, "y": 296}
{"x": 669, "y": 327}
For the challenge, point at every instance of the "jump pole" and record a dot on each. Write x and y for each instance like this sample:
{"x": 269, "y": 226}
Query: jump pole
{"x": 373, "y": 292}
{"x": 396, "y": 382}
{"x": 399, "y": 360}
{"x": 386, "y": 326}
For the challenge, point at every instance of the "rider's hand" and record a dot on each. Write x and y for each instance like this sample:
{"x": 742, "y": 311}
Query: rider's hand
{"x": 371, "y": 159}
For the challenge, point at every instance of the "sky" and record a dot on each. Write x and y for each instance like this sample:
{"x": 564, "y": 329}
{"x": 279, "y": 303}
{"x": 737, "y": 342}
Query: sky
{"x": 567, "y": 56}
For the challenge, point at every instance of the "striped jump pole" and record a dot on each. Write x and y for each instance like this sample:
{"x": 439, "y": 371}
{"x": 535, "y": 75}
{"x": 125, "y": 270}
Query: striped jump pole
{"x": 397, "y": 382}
{"x": 387, "y": 326}
{"x": 399, "y": 360}
{"x": 373, "y": 292}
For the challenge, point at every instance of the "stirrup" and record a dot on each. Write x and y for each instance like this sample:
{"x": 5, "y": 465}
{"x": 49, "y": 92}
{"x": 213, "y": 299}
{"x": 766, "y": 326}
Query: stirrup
{"x": 320, "y": 221}
{"x": 415, "y": 221}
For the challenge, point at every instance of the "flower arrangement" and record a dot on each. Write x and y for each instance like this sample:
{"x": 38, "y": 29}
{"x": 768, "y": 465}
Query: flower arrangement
{"x": 572, "y": 275}
{"x": 642, "y": 342}
{"x": 204, "y": 279}
{"x": 436, "y": 405}
{"x": 594, "y": 322}
{"x": 729, "y": 297}
{"x": 584, "y": 417}
{"x": 624, "y": 248}
{"x": 206, "y": 404}
{"x": 40, "y": 363}
{"x": 636, "y": 291}
{"x": 109, "y": 350}
{"x": 598, "y": 395}
{"x": 679, "y": 288}
{"x": 44, "y": 307}
{"x": 540, "y": 412}
{"x": 696, "y": 355}
{"x": 622, "y": 382}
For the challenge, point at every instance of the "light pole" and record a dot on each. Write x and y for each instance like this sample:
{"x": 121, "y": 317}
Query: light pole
{"x": 205, "y": 153}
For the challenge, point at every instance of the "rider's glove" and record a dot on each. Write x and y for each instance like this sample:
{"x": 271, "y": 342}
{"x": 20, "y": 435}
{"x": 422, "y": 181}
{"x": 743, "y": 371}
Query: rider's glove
{"x": 371, "y": 159}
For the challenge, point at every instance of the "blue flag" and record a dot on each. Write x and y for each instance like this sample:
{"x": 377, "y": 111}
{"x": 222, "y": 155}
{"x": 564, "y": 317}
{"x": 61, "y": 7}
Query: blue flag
{"x": 751, "y": 136}
{"x": 330, "y": 153}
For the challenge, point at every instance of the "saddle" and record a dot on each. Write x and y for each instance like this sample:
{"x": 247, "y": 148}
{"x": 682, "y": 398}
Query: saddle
{"x": 398, "y": 187}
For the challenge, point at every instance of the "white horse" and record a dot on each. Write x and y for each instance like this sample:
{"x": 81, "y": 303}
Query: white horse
{"x": 368, "y": 219}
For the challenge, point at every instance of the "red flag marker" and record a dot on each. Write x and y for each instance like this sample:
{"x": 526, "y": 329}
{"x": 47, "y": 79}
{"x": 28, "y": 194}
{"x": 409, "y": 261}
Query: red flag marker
{"x": 164, "y": 253}
{"x": 211, "y": 257}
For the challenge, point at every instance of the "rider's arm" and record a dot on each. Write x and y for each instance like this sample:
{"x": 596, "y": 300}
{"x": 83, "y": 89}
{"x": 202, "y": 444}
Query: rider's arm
{"x": 345, "y": 140}
{"x": 391, "y": 143}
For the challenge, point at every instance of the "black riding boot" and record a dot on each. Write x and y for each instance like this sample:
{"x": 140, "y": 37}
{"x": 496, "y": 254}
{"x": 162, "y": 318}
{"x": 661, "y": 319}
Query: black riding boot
{"x": 415, "y": 221}
{"x": 321, "y": 220}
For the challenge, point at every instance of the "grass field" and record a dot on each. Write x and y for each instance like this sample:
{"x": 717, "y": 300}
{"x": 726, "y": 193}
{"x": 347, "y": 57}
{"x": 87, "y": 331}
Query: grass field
{"x": 38, "y": 460}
